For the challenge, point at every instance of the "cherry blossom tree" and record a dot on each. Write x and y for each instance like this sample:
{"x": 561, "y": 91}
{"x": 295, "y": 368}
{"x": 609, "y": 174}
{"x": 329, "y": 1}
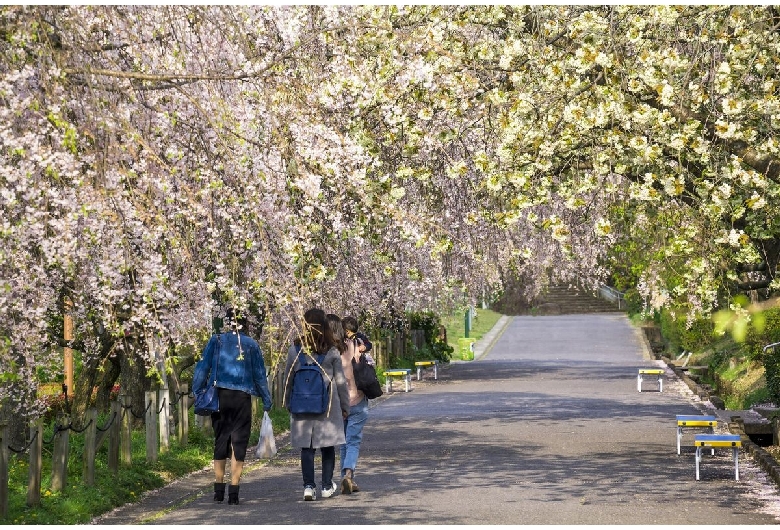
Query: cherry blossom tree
{"x": 160, "y": 163}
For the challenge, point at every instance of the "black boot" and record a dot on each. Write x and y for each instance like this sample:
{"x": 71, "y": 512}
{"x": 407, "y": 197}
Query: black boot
{"x": 233, "y": 494}
{"x": 219, "y": 491}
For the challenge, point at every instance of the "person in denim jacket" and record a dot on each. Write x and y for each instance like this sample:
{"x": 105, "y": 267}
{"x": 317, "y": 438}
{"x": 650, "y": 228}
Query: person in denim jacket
{"x": 240, "y": 375}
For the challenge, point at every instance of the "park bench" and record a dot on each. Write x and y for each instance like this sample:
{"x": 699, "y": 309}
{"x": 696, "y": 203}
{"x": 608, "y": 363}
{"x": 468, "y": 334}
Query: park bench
{"x": 657, "y": 372}
{"x": 406, "y": 373}
{"x": 425, "y": 364}
{"x": 714, "y": 441}
{"x": 695, "y": 422}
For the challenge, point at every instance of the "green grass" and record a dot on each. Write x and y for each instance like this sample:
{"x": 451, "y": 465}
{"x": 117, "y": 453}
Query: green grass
{"x": 455, "y": 324}
{"x": 78, "y": 503}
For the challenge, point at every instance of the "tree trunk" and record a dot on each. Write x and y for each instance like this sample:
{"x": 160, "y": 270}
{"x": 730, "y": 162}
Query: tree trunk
{"x": 101, "y": 372}
{"x": 133, "y": 379}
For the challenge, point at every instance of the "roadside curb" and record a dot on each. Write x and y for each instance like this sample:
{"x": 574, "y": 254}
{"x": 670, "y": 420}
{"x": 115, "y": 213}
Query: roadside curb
{"x": 154, "y": 504}
{"x": 483, "y": 346}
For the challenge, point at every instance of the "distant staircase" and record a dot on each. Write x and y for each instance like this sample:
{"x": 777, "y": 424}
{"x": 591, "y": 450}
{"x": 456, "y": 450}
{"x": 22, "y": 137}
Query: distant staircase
{"x": 564, "y": 300}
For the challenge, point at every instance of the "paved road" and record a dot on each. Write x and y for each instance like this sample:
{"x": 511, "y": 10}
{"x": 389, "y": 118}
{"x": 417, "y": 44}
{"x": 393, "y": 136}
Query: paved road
{"x": 545, "y": 427}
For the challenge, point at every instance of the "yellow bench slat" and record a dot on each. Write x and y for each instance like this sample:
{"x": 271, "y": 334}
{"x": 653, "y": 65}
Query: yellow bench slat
{"x": 651, "y": 371}
{"x": 697, "y": 423}
{"x": 717, "y": 443}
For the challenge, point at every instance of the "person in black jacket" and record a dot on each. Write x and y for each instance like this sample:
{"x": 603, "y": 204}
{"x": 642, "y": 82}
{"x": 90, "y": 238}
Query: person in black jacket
{"x": 363, "y": 344}
{"x": 357, "y": 343}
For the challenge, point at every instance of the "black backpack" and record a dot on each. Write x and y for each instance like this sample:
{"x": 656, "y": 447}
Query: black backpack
{"x": 310, "y": 387}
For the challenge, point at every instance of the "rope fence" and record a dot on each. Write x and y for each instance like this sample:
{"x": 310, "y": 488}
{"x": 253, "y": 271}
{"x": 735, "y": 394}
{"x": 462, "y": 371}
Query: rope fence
{"x": 159, "y": 422}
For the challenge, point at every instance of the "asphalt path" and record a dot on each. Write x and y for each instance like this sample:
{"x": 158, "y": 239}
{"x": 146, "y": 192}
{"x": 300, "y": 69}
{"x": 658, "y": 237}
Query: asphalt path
{"x": 546, "y": 426}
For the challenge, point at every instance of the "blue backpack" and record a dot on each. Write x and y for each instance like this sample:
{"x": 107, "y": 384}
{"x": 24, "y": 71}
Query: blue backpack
{"x": 310, "y": 388}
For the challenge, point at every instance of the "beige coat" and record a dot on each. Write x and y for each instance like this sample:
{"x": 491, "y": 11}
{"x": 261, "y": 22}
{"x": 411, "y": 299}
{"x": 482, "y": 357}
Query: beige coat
{"x": 326, "y": 429}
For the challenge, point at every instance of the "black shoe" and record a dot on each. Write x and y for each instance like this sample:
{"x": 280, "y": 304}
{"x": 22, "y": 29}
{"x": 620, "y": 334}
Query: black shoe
{"x": 233, "y": 494}
{"x": 219, "y": 491}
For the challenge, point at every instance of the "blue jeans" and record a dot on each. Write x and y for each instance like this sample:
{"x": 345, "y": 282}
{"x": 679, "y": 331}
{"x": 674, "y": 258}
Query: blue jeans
{"x": 353, "y": 432}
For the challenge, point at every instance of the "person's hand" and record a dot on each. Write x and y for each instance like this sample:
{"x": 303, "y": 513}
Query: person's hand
{"x": 344, "y": 414}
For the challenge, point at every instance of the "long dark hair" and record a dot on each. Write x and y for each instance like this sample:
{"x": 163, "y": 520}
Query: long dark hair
{"x": 337, "y": 332}
{"x": 235, "y": 320}
{"x": 316, "y": 335}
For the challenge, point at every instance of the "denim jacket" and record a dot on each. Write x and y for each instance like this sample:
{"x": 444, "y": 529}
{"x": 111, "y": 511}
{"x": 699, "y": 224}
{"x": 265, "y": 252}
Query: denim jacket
{"x": 244, "y": 370}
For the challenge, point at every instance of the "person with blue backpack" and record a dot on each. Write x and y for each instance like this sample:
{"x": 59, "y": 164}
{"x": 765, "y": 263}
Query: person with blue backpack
{"x": 316, "y": 395}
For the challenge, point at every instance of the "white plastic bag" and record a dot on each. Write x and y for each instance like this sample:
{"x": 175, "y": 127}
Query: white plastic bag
{"x": 266, "y": 446}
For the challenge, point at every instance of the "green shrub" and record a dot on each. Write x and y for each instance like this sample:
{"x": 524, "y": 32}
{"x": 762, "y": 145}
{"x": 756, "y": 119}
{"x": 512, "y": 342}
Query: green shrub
{"x": 435, "y": 346}
{"x": 634, "y": 302}
{"x": 681, "y": 337}
{"x": 764, "y": 330}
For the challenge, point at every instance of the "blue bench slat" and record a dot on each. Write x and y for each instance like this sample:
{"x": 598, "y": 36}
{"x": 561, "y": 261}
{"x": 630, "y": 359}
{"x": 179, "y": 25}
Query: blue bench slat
{"x": 717, "y": 438}
{"x": 684, "y": 417}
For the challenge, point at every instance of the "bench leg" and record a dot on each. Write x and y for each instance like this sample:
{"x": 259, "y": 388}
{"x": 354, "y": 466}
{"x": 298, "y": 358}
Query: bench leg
{"x": 698, "y": 458}
{"x": 679, "y": 437}
{"x": 388, "y": 384}
{"x": 435, "y": 371}
{"x": 418, "y": 373}
{"x": 639, "y": 382}
{"x": 407, "y": 382}
{"x": 736, "y": 462}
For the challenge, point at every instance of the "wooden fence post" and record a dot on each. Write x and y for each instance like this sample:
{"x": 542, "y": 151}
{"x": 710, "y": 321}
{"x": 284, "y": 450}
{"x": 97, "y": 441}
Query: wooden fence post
{"x": 36, "y": 463}
{"x": 418, "y": 339}
{"x": 4, "y": 471}
{"x": 381, "y": 359}
{"x": 163, "y": 421}
{"x": 278, "y": 387}
{"x": 114, "y": 434}
{"x": 184, "y": 415}
{"x": 59, "y": 466}
{"x": 126, "y": 433}
{"x": 151, "y": 426}
{"x": 90, "y": 446}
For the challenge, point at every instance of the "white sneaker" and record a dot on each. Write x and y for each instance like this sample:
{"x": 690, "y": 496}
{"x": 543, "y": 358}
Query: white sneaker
{"x": 309, "y": 494}
{"x": 329, "y": 492}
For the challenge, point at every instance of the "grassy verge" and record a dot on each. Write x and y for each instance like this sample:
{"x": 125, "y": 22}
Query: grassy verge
{"x": 483, "y": 321}
{"x": 78, "y": 503}
{"x": 739, "y": 380}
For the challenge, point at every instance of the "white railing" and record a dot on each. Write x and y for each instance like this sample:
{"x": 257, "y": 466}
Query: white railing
{"x": 773, "y": 346}
{"x": 611, "y": 294}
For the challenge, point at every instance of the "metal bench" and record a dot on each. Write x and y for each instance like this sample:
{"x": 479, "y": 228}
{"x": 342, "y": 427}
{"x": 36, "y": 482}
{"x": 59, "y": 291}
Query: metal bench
{"x": 406, "y": 373}
{"x": 718, "y": 441}
{"x": 657, "y": 372}
{"x": 425, "y": 364}
{"x": 695, "y": 422}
